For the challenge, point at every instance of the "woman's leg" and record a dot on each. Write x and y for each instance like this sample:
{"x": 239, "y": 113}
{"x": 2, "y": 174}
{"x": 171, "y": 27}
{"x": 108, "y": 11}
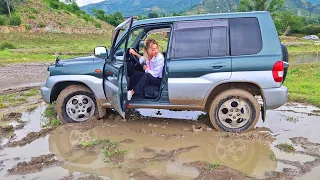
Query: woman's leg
{"x": 143, "y": 82}
{"x": 136, "y": 76}
{"x": 155, "y": 81}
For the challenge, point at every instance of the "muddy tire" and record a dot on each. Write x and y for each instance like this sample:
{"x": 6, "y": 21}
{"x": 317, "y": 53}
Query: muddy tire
{"x": 75, "y": 104}
{"x": 234, "y": 110}
{"x": 285, "y": 58}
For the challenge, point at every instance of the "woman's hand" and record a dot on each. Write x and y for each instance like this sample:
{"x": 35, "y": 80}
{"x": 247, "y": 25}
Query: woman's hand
{"x": 131, "y": 51}
{"x": 145, "y": 67}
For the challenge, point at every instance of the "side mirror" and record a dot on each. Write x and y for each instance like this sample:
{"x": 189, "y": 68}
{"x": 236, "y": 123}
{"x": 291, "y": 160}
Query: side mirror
{"x": 101, "y": 52}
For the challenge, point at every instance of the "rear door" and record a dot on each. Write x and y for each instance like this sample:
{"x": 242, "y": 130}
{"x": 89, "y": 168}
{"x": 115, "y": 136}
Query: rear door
{"x": 199, "y": 60}
{"x": 115, "y": 81}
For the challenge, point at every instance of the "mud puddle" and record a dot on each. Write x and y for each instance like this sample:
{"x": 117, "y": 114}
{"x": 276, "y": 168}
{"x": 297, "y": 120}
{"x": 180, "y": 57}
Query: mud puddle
{"x": 163, "y": 145}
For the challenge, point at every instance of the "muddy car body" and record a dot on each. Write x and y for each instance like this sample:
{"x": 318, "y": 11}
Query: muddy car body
{"x": 217, "y": 63}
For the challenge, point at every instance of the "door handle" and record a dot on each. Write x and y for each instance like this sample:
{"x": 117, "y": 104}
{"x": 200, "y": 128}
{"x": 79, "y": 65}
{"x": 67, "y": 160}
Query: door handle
{"x": 218, "y": 65}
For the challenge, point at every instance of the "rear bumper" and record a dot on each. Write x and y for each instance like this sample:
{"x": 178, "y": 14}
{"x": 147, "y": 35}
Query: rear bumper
{"x": 275, "y": 97}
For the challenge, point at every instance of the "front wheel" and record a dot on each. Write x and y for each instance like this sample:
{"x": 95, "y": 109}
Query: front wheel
{"x": 234, "y": 110}
{"x": 76, "y": 103}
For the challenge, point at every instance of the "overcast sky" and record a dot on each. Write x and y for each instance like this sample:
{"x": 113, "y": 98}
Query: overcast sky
{"x": 85, "y": 2}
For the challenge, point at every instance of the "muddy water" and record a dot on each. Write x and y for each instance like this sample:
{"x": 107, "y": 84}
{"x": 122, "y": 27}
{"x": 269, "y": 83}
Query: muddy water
{"x": 153, "y": 140}
{"x": 304, "y": 58}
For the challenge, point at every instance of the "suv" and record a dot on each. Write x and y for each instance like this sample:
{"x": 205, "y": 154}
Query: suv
{"x": 222, "y": 64}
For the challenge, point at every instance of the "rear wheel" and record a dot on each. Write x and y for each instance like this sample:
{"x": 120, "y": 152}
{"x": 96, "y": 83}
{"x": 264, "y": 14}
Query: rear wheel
{"x": 285, "y": 58}
{"x": 76, "y": 103}
{"x": 234, "y": 110}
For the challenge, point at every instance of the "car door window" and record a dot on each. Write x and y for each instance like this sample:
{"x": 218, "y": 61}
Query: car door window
{"x": 120, "y": 50}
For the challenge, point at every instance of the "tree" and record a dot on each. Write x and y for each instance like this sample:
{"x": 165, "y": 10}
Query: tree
{"x": 99, "y": 14}
{"x": 153, "y": 15}
{"x": 69, "y": 1}
{"x": 261, "y": 5}
{"x": 113, "y": 19}
{"x": 9, "y": 5}
{"x": 286, "y": 19}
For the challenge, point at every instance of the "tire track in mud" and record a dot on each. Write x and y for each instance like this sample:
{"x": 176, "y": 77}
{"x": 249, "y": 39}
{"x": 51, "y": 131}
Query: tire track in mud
{"x": 310, "y": 149}
{"x": 35, "y": 165}
{"x": 30, "y": 137}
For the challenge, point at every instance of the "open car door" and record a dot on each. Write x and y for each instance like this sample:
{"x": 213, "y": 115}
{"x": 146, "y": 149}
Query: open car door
{"x": 115, "y": 81}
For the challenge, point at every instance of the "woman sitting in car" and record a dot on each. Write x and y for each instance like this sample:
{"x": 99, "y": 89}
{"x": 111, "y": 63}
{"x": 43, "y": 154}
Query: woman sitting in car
{"x": 153, "y": 62}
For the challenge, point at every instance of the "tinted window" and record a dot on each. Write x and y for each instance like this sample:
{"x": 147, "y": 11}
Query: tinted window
{"x": 219, "y": 41}
{"x": 245, "y": 36}
{"x": 192, "y": 42}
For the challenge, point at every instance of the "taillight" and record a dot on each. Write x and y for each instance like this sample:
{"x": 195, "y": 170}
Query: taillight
{"x": 277, "y": 71}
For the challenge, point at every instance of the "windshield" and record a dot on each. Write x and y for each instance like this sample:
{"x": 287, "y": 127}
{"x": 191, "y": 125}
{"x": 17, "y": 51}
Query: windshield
{"x": 120, "y": 28}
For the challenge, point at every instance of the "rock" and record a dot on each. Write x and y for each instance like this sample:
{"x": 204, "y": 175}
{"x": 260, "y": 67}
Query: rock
{"x": 197, "y": 128}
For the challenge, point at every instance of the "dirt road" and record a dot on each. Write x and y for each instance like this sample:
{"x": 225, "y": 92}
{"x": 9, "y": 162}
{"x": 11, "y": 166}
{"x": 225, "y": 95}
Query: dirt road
{"x": 162, "y": 144}
{"x": 22, "y": 75}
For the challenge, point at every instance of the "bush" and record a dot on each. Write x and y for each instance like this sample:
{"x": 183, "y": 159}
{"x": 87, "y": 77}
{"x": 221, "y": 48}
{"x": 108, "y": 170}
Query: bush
{"x": 28, "y": 27}
{"x": 15, "y": 20}
{"x": 311, "y": 29}
{"x": 319, "y": 35}
{"x": 32, "y": 17}
{"x": 3, "y": 20}
{"x": 34, "y": 11}
{"x": 42, "y": 25}
{"x": 98, "y": 25}
{"x": 6, "y": 45}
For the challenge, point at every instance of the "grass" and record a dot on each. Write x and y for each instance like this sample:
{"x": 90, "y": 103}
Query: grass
{"x": 213, "y": 166}
{"x": 50, "y": 111}
{"x": 293, "y": 119}
{"x": 55, "y": 122}
{"x": 32, "y": 92}
{"x": 43, "y": 47}
{"x": 303, "y": 49}
{"x": 272, "y": 156}
{"x": 111, "y": 149}
{"x": 303, "y": 82}
{"x": 92, "y": 143}
{"x": 286, "y": 147}
{"x": 247, "y": 176}
{"x": 16, "y": 99}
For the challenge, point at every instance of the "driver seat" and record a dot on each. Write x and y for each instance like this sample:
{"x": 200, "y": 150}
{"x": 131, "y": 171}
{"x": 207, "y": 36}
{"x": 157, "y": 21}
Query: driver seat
{"x": 151, "y": 91}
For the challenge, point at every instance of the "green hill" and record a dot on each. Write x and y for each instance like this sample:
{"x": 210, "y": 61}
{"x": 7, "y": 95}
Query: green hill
{"x": 52, "y": 13}
{"x": 138, "y": 7}
{"x": 214, "y": 6}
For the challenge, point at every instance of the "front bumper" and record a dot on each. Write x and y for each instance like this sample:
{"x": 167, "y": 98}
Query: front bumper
{"x": 46, "y": 93}
{"x": 275, "y": 97}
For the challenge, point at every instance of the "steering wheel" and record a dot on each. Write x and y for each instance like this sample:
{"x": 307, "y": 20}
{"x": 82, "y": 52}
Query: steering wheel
{"x": 133, "y": 57}
{"x": 132, "y": 63}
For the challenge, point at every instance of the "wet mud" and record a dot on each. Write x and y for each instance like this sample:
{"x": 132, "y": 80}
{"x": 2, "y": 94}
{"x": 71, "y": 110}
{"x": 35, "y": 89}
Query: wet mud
{"x": 137, "y": 174}
{"x": 12, "y": 117}
{"x": 166, "y": 156}
{"x": 153, "y": 133}
{"x": 219, "y": 173}
{"x": 160, "y": 145}
{"x": 30, "y": 137}
{"x": 35, "y": 165}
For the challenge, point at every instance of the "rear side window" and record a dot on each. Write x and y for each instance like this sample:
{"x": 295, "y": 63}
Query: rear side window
{"x": 245, "y": 36}
{"x": 192, "y": 43}
{"x": 203, "y": 38}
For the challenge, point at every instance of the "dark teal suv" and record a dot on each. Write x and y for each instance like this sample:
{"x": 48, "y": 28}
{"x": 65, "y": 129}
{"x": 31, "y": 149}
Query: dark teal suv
{"x": 229, "y": 65}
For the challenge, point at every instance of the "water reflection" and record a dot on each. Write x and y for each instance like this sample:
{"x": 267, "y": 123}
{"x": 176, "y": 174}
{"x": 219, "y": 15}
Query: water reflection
{"x": 248, "y": 157}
